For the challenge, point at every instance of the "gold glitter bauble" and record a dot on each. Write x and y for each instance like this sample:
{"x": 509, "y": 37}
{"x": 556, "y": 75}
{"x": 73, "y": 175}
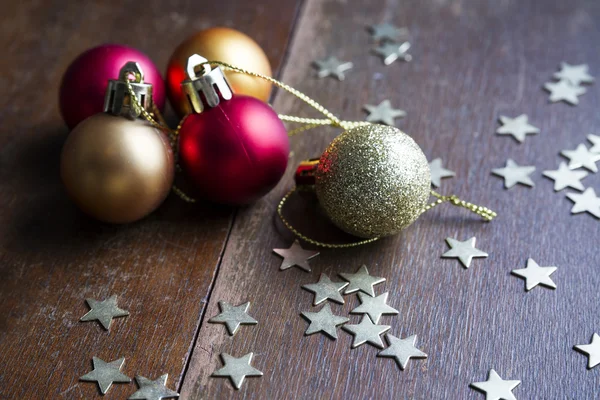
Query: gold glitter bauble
{"x": 373, "y": 181}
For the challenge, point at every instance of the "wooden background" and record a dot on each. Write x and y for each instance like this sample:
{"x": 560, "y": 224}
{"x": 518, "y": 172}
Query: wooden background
{"x": 472, "y": 61}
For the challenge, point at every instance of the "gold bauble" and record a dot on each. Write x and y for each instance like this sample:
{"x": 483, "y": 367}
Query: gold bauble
{"x": 220, "y": 44}
{"x": 373, "y": 181}
{"x": 115, "y": 169}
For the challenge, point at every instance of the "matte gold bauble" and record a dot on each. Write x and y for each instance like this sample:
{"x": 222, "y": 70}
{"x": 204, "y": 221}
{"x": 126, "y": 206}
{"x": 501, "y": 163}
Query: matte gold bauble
{"x": 373, "y": 181}
{"x": 115, "y": 169}
{"x": 222, "y": 44}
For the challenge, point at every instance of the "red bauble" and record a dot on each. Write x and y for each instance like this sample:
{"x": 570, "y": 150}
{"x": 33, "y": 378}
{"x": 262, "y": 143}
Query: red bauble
{"x": 84, "y": 83}
{"x": 235, "y": 152}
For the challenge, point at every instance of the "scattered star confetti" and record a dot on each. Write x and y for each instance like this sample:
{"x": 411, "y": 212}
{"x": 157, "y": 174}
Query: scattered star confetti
{"x": 361, "y": 280}
{"x": 392, "y": 51}
{"x": 574, "y": 74}
{"x": 103, "y": 311}
{"x": 564, "y": 177}
{"x": 535, "y": 275}
{"x": 496, "y": 388}
{"x": 105, "y": 374}
{"x": 383, "y": 113}
{"x": 366, "y": 332}
{"x": 374, "y": 307}
{"x": 564, "y": 91}
{"x": 325, "y": 289}
{"x": 237, "y": 369}
{"x": 585, "y": 202}
{"x": 582, "y": 157}
{"x": 233, "y": 316}
{"x": 592, "y": 350}
{"x": 595, "y": 139}
{"x": 464, "y": 251}
{"x": 331, "y": 66}
{"x": 438, "y": 172}
{"x": 323, "y": 321}
{"x": 387, "y": 31}
{"x": 153, "y": 390}
{"x": 514, "y": 173}
{"x": 401, "y": 350}
{"x": 518, "y": 127}
{"x": 295, "y": 256}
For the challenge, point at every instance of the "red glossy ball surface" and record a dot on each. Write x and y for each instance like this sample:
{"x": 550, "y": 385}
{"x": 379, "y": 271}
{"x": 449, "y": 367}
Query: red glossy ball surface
{"x": 234, "y": 153}
{"x": 84, "y": 83}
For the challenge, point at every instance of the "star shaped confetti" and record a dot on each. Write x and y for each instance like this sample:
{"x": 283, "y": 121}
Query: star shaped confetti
{"x": 401, "y": 350}
{"x": 535, "y": 275}
{"x": 237, "y": 369}
{"x": 592, "y": 350}
{"x": 383, "y": 113}
{"x": 564, "y": 91}
{"x": 564, "y": 177}
{"x": 361, "y": 280}
{"x": 387, "y": 31}
{"x": 233, "y": 316}
{"x": 595, "y": 139}
{"x": 464, "y": 251}
{"x": 585, "y": 202}
{"x": 374, "y": 307}
{"x": 331, "y": 66}
{"x": 496, "y": 388}
{"x": 392, "y": 51}
{"x": 518, "y": 127}
{"x": 325, "y": 290}
{"x": 323, "y": 321}
{"x": 295, "y": 256}
{"x": 438, "y": 172}
{"x": 153, "y": 390}
{"x": 103, "y": 311}
{"x": 574, "y": 74}
{"x": 582, "y": 157}
{"x": 367, "y": 332}
{"x": 106, "y": 373}
{"x": 514, "y": 173}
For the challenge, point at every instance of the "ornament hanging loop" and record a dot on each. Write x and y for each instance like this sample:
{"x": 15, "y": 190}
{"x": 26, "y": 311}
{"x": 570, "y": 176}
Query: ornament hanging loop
{"x": 206, "y": 89}
{"x": 120, "y": 100}
{"x": 483, "y": 212}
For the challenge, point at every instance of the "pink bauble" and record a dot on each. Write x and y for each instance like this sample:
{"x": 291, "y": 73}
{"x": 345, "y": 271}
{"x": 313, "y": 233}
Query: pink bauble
{"x": 84, "y": 83}
{"x": 235, "y": 152}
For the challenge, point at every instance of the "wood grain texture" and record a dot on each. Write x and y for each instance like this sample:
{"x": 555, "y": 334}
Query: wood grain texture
{"x": 473, "y": 61}
{"x": 51, "y": 256}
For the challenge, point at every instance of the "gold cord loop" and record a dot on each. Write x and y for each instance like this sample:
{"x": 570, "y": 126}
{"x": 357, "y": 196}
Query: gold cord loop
{"x": 483, "y": 212}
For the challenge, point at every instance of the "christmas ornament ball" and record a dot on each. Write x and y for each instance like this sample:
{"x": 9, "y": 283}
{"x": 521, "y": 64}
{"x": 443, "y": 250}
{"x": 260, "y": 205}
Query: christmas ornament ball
{"x": 84, "y": 83}
{"x": 373, "y": 181}
{"x": 220, "y": 44}
{"x": 115, "y": 169}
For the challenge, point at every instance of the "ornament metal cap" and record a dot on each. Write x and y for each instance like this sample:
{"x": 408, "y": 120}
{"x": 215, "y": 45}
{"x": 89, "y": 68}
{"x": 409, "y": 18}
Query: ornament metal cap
{"x": 206, "y": 89}
{"x": 117, "y": 99}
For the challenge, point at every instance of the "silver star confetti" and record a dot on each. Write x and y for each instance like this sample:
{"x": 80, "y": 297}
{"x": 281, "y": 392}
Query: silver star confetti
{"x": 233, "y": 316}
{"x": 518, "y": 127}
{"x": 582, "y": 157}
{"x": 325, "y": 289}
{"x": 514, "y": 173}
{"x": 592, "y": 350}
{"x": 331, "y": 66}
{"x": 374, "y": 307}
{"x": 438, "y": 172}
{"x": 237, "y": 369}
{"x": 564, "y": 91}
{"x": 153, "y": 390}
{"x": 103, "y": 311}
{"x": 361, "y": 280}
{"x": 383, "y": 113}
{"x": 401, "y": 350}
{"x": 323, "y": 321}
{"x": 295, "y": 256}
{"x": 392, "y": 51}
{"x": 496, "y": 388}
{"x": 367, "y": 332}
{"x": 574, "y": 74}
{"x": 595, "y": 139}
{"x": 387, "y": 31}
{"x": 585, "y": 202}
{"x": 105, "y": 374}
{"x": 464, "y": 251}
{"x": 535, "y": 275}
{"x": 564, "y": 177}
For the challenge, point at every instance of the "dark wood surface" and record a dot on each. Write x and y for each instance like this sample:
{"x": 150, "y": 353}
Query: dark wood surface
{"x": 473, "y": 61}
